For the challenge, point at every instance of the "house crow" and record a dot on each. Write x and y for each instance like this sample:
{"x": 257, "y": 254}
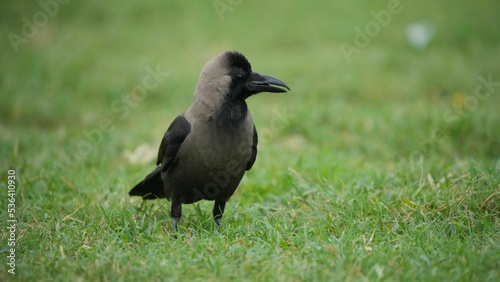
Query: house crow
{"x": 207, "y": 148}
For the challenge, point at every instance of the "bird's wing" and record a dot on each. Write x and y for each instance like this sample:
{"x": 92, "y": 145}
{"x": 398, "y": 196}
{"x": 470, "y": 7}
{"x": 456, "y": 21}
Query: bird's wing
{"x": 172, "y": 141}
{"x": 254, "y": 149}
{"x": 152, "y": 185}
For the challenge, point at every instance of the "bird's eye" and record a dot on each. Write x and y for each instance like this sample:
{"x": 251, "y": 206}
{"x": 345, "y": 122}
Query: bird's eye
{"x": 240, "y": 77}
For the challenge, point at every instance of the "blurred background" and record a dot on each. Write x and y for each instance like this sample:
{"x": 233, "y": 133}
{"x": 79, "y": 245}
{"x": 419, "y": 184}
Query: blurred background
{"x": 392, "y": 102}
{"x": 371, "y": 82}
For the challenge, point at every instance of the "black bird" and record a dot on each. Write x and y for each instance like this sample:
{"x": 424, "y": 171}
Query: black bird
{"x": 207, "y": 148}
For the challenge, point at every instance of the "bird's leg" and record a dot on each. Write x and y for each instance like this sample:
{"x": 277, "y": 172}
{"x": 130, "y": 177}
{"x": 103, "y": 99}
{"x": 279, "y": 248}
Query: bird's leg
{"x": 176, "y": 211}
{"x": 218, "y": 211}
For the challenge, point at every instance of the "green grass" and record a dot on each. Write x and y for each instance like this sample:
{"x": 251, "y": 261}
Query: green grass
{"x": 385, "y": 168}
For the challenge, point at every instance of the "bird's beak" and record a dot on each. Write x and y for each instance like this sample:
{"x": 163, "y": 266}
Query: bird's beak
{"x": 266, "y": 83}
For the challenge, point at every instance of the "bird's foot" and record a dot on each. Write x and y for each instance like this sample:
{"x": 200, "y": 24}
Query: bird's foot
{"x": 218, "y": 221}
{"x": 176, "y": 221}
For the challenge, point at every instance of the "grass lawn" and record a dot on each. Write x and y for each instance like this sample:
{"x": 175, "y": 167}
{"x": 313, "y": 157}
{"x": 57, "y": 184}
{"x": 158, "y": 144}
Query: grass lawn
{"x": 382, "y": 163}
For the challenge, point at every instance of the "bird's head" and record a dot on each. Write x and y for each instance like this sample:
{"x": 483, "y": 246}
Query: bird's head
{"x": 229, "y": 76}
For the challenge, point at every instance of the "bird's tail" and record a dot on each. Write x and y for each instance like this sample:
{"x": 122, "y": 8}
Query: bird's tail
{"x": 151, "y": 187}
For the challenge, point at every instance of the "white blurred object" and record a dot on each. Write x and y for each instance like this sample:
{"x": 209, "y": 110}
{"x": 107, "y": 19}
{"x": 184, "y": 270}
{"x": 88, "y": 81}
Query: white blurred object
{"x": 141, "y": 155}
{"x": 419, "y": 34}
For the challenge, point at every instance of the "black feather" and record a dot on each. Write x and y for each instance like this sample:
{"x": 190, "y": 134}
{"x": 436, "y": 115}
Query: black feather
{"x": 152, "y": 186}
{"x": 238, "y": 61}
